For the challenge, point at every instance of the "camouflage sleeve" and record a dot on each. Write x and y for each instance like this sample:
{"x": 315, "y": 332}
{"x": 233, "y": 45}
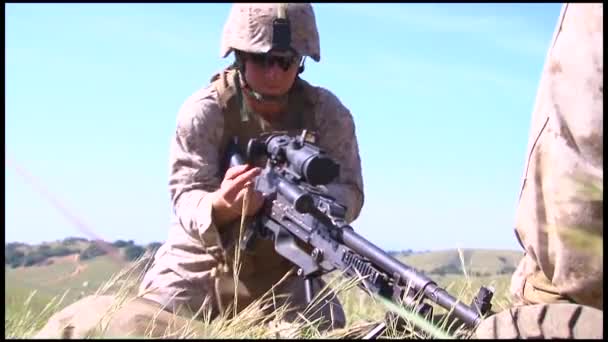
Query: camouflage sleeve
{"x": 194, "y": 165}
{"x": 337, "y": 136}
{"x": 559, "y": 218}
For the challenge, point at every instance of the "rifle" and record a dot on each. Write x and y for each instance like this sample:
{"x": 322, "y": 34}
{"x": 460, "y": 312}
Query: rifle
{"x": 298, "y": 211}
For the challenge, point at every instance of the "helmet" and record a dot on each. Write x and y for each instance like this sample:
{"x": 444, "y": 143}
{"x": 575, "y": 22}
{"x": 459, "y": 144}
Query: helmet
{"x": 259, "y": 28}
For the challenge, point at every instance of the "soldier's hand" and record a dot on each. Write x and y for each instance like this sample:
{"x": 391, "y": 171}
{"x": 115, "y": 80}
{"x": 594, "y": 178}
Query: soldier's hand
{"x": 228, "y": 199}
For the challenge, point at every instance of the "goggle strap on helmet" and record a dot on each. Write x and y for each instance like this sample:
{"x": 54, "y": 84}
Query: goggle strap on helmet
{"x": 260, "y": 28}
{"x": 281, "y": 32}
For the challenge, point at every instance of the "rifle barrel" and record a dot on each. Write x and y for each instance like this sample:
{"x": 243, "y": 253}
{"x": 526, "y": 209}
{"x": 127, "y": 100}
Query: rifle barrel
{"x": 417, "y": 280}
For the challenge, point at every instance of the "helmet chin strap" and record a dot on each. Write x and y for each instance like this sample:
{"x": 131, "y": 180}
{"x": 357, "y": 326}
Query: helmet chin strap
{"x": 257, "y": 96}
{"x": 265, "y": 97}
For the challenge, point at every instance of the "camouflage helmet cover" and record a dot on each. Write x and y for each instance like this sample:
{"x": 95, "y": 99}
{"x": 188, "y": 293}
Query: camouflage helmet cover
{"x": 249, "y": 28}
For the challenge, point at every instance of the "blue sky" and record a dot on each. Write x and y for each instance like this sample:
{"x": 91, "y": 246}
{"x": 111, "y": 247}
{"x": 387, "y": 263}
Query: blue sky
{"x": 441, "y": 95}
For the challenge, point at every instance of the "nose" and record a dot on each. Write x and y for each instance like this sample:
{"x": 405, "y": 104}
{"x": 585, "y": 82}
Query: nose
{"x": 273, "y": 72}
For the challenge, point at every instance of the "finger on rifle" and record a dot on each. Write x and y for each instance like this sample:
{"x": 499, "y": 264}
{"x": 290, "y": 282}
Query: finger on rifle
{"x": 236, "y": 170}
{"x": 239, "y": 182}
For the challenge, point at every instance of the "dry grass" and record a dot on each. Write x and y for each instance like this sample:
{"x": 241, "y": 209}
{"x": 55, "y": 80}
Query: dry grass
{"x": 362, "y": 311}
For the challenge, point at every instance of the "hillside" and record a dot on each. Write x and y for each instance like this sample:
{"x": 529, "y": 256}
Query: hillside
{"x": 18, "y": 254}
{"x": 477, "y": 262}
{"x": 52, "y": 268}
{"x": 32, "y": 289}
{"x": 53, "y": 275}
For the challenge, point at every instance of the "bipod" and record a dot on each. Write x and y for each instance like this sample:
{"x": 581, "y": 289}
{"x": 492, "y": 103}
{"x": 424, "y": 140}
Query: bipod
{"x": 400, "y": 324}
{"x": 420, "y": 308}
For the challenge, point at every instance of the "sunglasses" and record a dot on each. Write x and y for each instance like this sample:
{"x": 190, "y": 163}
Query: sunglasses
{"x": 266, "y": 60}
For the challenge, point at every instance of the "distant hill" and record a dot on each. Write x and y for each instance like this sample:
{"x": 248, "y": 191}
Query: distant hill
{"x": 477, "y": 262}
{"x": 76, "y": 265}
{"x": 17, "y": 254}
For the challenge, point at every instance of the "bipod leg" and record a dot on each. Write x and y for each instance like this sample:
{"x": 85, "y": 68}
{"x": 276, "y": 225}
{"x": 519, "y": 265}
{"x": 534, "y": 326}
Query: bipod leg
{"x": 308, "y": 289}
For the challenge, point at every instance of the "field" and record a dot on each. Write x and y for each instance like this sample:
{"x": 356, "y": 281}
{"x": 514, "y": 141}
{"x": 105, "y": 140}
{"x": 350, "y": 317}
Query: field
{"x": 31, "y": 293}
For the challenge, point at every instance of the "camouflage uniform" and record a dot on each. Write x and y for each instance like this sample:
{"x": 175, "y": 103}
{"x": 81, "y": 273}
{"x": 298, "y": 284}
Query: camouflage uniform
{"x": 565, "y": 144}
{"x": 558, "y": 224}
{"x": 191, "y": 265}
{"x": 194, "y": 264}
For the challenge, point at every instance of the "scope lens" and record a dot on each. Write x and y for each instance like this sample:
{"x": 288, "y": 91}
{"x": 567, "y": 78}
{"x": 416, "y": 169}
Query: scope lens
{"x": 320, "y": 170}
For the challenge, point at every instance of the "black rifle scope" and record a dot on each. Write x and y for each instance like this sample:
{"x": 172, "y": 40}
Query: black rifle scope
{"x": 302, "y": 160}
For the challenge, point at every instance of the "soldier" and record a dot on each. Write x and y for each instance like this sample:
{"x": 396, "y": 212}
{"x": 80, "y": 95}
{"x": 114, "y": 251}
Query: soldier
{"x": 260, "y": 92}
{"x": 558, "y": 286}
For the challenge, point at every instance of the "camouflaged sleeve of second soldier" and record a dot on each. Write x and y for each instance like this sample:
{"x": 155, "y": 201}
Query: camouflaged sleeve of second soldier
{"x": 558, "y": 223}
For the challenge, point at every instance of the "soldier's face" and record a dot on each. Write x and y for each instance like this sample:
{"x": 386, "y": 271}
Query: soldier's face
{"x": 269, "y": 74}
